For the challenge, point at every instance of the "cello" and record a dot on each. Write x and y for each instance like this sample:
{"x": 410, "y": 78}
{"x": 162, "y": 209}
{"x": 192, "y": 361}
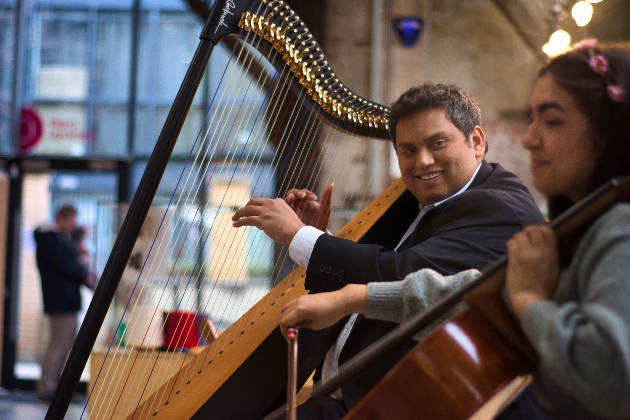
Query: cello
{"x": 475, "y": 362}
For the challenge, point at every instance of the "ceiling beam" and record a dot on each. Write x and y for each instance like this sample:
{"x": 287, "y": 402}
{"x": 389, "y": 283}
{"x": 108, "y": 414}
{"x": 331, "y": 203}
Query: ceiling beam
{"x": 528, "y": 20}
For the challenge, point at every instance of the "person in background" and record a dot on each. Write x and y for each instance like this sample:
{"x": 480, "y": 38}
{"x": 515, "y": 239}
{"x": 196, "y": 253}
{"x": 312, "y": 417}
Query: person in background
{"x": 78, "y": 238}
{"x": 62, "y": 268}
{"x": 572, "y": 301}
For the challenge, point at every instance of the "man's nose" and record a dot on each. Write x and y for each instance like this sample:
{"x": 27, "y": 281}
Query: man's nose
{"x": 425, "y": 158}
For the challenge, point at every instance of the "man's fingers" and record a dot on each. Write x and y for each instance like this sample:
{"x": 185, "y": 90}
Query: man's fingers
{"x": 298, "y": 200}
{"x": 246, "y": 221}
{"x": 298, "y": 194}
{"x": 254, "y": 207}
{"x": 246, "y": 211}
{"x": 327, "y": 194}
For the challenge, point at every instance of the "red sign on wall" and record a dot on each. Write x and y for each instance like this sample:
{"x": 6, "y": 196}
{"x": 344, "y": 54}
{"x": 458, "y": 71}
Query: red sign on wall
{"x": 31, "y": 129}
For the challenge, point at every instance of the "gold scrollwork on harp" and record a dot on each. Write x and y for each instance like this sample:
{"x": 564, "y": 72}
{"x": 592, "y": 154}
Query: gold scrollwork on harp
{"x": 294, "y": 42}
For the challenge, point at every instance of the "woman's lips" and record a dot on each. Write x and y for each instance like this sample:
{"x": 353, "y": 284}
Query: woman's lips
{"x": 537, "y": 164}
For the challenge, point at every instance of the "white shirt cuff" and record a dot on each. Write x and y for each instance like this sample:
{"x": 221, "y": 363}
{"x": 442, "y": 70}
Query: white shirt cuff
{"x": 302, "y": 245}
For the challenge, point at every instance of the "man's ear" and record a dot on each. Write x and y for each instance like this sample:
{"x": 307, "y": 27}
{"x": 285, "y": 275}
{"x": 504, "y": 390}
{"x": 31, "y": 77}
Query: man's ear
{"x": 478, "y": 142}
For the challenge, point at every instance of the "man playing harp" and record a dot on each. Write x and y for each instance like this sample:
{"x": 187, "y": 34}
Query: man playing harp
{"x": 466, "y": 209}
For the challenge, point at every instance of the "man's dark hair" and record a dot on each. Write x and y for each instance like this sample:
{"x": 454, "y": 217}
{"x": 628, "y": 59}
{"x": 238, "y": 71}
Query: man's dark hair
{"x": 66, "y": 211}
{"x": 461, "y": 108}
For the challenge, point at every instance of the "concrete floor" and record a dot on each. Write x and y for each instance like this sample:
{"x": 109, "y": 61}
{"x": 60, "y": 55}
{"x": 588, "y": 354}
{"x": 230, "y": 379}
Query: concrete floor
{"x": 23, "y": 405}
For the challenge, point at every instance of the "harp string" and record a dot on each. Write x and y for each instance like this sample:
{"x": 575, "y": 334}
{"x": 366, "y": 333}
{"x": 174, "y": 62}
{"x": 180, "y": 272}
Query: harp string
{"x": 191, "y": 366}
{"x": 144, "y": 266}
{"x": 197, "y": 211}
{"x": 312, "y": 162}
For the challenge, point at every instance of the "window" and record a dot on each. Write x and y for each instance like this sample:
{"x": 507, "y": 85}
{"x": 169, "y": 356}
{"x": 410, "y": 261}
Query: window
{"x": 7, "y": 61}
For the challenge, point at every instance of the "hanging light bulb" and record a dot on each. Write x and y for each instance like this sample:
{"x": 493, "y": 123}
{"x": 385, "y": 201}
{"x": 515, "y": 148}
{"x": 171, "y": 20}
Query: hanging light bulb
{"x": 560, "y": 40}
{"x": 582, "y": 13}
{"x": 549, "y": 50}
{"x": 558, "y": 43}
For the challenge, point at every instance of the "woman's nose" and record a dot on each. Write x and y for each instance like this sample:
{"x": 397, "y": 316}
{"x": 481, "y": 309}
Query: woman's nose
{"x": 531, "y": 139}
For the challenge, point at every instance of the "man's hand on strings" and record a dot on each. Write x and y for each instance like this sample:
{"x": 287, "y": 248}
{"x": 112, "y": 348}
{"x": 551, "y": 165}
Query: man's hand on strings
{"x": 321, "y": 310}
{"x": 533, "y": 269}
{"x": 274, "y": 217}
{"x": 304, "y": 204}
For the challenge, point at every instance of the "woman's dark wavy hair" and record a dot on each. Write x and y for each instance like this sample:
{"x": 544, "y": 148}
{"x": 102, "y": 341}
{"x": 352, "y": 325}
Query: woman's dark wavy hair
{"x": 609, "y": 120}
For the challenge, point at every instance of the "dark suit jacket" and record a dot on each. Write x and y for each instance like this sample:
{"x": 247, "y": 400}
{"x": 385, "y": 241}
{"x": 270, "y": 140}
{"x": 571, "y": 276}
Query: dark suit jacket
{"x": 60, "y": 271}
{"x": 467, "y": 231}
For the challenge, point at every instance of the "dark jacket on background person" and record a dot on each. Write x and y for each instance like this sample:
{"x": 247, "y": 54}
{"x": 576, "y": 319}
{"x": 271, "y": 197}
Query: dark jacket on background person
{"x": 60, "y": 271}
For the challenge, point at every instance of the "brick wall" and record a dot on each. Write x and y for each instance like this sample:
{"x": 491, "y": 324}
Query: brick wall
{"x": 465, "y": 42}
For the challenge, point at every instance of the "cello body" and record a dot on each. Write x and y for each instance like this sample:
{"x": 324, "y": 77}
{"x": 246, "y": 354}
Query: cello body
{"x": 465, "y": 368}
{"x": 478, "y": 361}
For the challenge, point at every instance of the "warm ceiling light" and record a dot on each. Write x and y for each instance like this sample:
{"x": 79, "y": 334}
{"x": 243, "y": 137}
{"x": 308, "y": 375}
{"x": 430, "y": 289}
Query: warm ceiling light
{"x": 558, "y": 43}
{"x": 582, "y": 13}
{"x": 593, "y": 1}
{"x": 560, "y": 39}
{"x": 552, "y": 50}
{"x": 549, "y": 50}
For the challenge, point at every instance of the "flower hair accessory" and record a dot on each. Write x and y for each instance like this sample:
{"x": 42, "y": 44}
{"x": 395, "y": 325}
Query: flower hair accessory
{"x": 599, "y": 64}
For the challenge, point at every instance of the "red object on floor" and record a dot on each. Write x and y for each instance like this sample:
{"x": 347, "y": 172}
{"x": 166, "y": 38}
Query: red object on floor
{"x": 181, "y": 330}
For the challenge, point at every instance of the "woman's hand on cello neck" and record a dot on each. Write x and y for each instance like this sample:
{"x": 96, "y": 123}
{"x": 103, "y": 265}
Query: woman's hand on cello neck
{"x": 533, "y": 268}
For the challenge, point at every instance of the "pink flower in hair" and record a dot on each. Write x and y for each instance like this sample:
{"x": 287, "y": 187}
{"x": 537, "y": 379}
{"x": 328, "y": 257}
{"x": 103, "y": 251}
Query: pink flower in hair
{"x": 598, "y": 64}
{"x": 585, "y": 44}
{"x": 616, "y": 93}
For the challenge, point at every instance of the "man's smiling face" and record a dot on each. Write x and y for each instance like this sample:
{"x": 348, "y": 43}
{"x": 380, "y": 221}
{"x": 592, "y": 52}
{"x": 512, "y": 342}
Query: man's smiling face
{"x": 434, "y": 158}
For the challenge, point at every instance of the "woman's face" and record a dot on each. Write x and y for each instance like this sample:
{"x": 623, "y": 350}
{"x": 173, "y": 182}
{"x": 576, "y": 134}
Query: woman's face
{"x": 559, "y": 141}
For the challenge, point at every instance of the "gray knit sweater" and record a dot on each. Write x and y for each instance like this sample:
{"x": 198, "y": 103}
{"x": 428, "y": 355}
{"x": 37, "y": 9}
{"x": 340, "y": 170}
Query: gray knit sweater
{"x": 582, "y": 336}
{"x": 398, "y": 301}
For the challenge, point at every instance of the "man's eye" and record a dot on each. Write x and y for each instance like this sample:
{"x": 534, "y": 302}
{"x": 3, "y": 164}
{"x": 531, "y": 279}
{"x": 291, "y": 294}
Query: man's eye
{"x": 553, "y": 122}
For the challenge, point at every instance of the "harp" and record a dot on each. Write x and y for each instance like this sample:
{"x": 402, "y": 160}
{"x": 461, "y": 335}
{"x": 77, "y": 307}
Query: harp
{"x": 301, "y": 110}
